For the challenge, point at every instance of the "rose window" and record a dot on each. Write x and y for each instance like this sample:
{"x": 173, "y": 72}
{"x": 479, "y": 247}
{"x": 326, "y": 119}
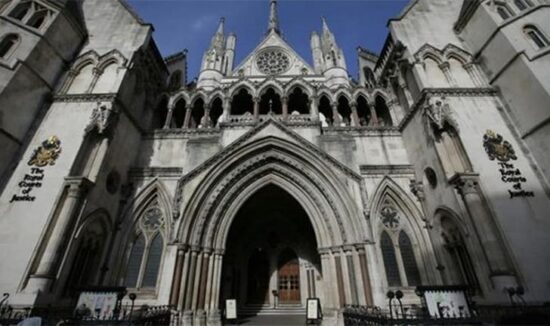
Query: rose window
{"x": 273, "y": 62}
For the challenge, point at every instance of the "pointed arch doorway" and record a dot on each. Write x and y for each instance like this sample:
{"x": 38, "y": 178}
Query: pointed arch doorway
{"x": 271, "y": 259}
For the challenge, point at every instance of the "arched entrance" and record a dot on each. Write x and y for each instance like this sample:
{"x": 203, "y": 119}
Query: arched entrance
{"x": 271, "y": 259}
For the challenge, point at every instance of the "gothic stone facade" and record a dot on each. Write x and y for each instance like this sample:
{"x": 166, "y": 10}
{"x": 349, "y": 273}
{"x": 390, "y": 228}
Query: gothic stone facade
{"x": 274, "y": 174}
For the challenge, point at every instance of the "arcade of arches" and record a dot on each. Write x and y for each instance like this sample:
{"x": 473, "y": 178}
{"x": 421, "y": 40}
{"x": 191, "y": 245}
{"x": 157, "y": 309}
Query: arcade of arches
{"x": 296, "y": 105}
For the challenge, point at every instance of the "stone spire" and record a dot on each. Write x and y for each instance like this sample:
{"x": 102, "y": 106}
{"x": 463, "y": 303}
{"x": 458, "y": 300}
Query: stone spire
{"x": 273, "y": 19}
{"x": 219, "y": 38}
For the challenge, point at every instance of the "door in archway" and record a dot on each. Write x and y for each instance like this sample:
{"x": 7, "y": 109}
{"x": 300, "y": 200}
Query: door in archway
{"x": 289, "y": 277}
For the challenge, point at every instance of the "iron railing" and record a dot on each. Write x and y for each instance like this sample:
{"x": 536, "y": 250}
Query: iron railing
{"x": 414, "y": 315}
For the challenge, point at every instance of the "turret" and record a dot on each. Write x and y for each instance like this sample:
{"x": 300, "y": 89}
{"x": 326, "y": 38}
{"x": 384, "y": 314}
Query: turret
{"x": 273, "y": 24}
{"x": 229, "y": 54}
{"x": 328, "y": 58}
{"x": 214, "y": 61}
{"x": 316, "y": 52}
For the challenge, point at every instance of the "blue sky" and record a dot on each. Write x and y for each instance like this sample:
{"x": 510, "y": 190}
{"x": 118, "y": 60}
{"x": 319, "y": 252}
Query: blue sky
{"x": 190, "y": 24}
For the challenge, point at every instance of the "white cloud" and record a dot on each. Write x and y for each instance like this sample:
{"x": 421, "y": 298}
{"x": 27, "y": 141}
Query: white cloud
{"x": 202, "y": 22}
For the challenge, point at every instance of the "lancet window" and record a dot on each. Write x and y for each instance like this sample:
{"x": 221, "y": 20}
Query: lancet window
{"x": 8, "y": 45}
{"x": 145, "y": 250}
{"x": 536, "y": 37}
{"x": 398, "y": 254}
{"x": 503, "y": 11}
{"x": 32, "y": 14}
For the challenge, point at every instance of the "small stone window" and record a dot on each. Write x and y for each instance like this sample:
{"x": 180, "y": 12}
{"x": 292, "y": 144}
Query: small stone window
{"x": 32, "y": 14}
{"x": 523, "y": 4}
{"x": 504, "y": 12}
{"x": 8, "y": 45}
{"x": 536, "y": 37}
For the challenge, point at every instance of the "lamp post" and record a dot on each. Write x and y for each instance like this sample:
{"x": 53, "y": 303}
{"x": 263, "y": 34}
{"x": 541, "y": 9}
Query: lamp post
{"x": 390, "y": 295}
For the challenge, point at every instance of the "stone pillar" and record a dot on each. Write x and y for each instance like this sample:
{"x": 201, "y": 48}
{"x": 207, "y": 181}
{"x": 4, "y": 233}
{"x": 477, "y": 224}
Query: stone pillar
{"x": 446, "y": 68}
{"x": 191, "y": 279}
{"x": 96, "y": 73}
{"x": 76, "y": 188}
{"x": 329, "y": 285}
{"x": 501, "y": 272}
{"x": 176, "y": 281}
{"x": 197, "y": 281}
{"x": 474, "y": 74}
{"x": 284, "y": 101}
{"x": 187, "y": 118}
{"x": 206, "y": 123}
{"x": 354, "y": 115}
{"x": 352, "y": 282}
{"x": 335, "y": 115}
{"x": 314, "y": 108}
{"x": 214, "y": 316}
{"x": 340, "y": 285}
{"x": 184, "y": 283}
{"x": 226, "y": 108}
{"x": 256, "y": 109}
{"x": 373, "y": 116}
{"x": 365, "y": 276}
{"x": 168, "y": 120}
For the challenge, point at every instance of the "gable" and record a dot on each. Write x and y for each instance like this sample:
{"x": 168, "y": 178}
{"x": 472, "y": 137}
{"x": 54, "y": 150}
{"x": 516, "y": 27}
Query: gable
{"x": 273, "y": 42}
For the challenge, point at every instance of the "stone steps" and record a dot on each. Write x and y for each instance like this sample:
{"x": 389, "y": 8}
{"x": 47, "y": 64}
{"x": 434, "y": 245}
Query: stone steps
{"x": 287, "y": 310}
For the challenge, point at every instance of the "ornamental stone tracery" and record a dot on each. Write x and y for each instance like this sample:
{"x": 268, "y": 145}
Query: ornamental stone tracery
{"x": 273, "y": 61}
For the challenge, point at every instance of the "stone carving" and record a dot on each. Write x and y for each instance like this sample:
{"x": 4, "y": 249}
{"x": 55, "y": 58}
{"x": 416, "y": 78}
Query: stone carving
{"x": 438, "y": 113}
{"x": 389, "y": 216}
{"x": 152, "y": 219}
{"x": 496, "y": 147}
{"x": 47, "y": 153}
{"x": 101, "y": 119}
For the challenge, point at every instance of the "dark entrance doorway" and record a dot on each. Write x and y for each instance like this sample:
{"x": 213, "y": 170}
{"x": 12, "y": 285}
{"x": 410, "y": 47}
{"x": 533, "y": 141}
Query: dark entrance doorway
{"x": 289, "y": 277}
{"x": 271, "y": 253}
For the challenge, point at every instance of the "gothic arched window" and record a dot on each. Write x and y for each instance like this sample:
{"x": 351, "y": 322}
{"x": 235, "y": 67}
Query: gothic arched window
{"x": 382, "y": 112}
{"x": 523, "y": 4}
{"x": 38, "y": 19}
{"x": 398, "y": 254}
{"x": 21, "y": 10}
{"x": 536, "y": 37}
{"x": 504, "y": 12}
{"x": 409, "y": 262}
{"x": 390, "y": 260}
{"x": 461, "y": 262}
{"x": 145, "y": 252}
{"x": 8, "y": 45}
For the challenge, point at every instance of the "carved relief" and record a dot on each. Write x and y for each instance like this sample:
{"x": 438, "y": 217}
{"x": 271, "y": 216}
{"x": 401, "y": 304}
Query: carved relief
{"x": 101, "y": 119}
{"x": 438, "y": 113}
{"x": 496, "y": 147}
{"x": 47, "y": 153}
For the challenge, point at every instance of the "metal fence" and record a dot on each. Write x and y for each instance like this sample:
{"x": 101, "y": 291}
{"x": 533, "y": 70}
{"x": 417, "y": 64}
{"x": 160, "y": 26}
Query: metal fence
{"x": 144, "y": 316}
{"x": 413, "y": 315}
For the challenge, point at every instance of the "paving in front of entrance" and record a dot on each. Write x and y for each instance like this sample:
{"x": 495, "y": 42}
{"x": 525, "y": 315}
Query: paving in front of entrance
{"x": 271, "y": 320}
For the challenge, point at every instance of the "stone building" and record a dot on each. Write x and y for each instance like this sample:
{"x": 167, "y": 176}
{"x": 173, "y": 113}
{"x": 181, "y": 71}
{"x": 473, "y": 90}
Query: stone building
{"x": 274, "y": 179}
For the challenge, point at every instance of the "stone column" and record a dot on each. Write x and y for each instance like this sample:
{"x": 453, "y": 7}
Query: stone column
{"x": 284, "y": 101}
{"x": 197, "y": 281}
{"x": 184, "y": 283}
{"x": 474, "y": 75}
{"x": 354, "y": 115}
{"x": 256, "y": 109}
{"x": 61, "y": 224}
{"x": 214, "y": 317}
{"x": 365, "y": 276}
{"x": 329, "y": 288}
{"x": 176, "y": 281}
{"x": 96, "y": 73}
{"x": 373, "y": 116}
{"x": 191, "y": 278}
{"x": 226, "y": 108}
{"x": 336, "y": 121}
{"x": 168, "y": 120}
{"x": 446, "y": 68}
{"x": 350, "y": 266}
{"x": 340, "y": 284}
{"x": 314, "y": 108}
{"x": 206, "y": 123}
{"x": 501, "y": 271}
{"x": 187, "y": 118}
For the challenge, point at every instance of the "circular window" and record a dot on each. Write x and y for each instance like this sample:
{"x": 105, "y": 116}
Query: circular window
{"x": 431, "y": 177}
{"x": 273, "y": 62}
{"x": 113, "y": 181}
